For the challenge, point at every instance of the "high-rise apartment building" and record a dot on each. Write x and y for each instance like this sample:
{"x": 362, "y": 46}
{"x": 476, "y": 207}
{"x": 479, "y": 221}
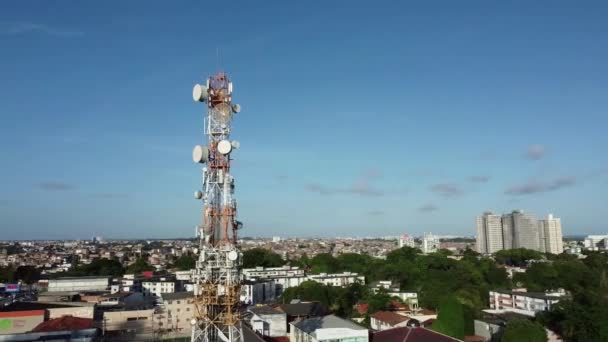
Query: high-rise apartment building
{"x": 430, "y": 243}
{"x": 551, "y": 228}
{"x": 525, "y": 230}
{"x": 518, "y": 230}
{"x": 489, "y": 233}
{"x": 407, "y": 241}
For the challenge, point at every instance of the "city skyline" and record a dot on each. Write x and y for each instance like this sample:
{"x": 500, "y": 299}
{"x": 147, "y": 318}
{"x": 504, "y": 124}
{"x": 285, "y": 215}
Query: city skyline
{"x": 400, "y": 118}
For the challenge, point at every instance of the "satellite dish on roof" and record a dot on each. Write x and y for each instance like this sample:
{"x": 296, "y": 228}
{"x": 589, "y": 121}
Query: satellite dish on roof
{"x": 233, "y": 255}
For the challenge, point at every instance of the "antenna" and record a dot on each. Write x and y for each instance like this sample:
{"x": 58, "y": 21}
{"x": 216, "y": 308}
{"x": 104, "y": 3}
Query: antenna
{"x": 217, "y": 58}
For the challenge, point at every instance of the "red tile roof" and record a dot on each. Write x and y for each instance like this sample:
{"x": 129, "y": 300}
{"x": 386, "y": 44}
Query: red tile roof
{"x": 362, "y": 308}
{"x": 407, "y": 334}
{"x": 64, "y": 323}
{"x": 389, "y": 318}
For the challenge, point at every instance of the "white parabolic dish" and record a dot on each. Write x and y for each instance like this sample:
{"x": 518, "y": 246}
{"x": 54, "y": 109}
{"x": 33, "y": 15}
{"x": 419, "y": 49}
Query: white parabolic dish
{"x": 199, "y": 154}
{"x": 233, "y": 255}
{"x": 224, "y": 147}
{"x": 199, "y": 93}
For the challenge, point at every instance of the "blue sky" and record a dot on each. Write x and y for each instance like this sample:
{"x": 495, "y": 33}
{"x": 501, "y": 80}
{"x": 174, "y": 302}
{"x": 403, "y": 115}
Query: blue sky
{"x": 358, "y": 118}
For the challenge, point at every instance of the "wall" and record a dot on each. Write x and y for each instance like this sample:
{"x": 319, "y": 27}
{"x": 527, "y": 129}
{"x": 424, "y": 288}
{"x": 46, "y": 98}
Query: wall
{"x": 15, "y": 322}
{"x": 78, "y": 284}
{"x": 276, "y": 324}
{"x": 176, "y": 316}
{"x": 76, "y": 311}
{"x": 138, "y": 320}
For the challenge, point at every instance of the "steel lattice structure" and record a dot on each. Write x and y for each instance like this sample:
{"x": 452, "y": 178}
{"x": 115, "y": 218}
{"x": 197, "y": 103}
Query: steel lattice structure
{"x": 217, "y": 276}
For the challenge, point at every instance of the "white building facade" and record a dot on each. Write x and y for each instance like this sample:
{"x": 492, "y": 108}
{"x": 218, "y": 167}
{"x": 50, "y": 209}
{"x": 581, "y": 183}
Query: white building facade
{"x": 526, "y": 303}
{"x": 430, "y": 243}
{"x": 552, "y": 230}
{"x": 157, "y": 287}
{"x": 489, "y": 233}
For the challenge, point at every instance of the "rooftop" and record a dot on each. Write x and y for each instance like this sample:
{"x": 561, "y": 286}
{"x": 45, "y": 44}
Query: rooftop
{"x": 25, "y": 306}
{"x": 80, "y": 278}
{"x": 64, "y": 323}
{"x": 326, "y": 322}
{"x": 538, "y": 295}
{"x": 177, "y": 295}
{"x": 390, "y": 318}
{"x": 303, "y": 309}
{"x": 266, "y": 310}
{"x": 410, "y": 334}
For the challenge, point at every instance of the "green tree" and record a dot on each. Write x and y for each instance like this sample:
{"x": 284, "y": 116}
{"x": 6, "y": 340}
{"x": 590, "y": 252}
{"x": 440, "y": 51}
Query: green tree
{"x": 378, "y": 302}
{"x": 450, "y": 320}
{"x": 311, "y": 291}
{"x": 517, "y": 256}
{"x": 185, "y": 262}
{"x": 27, "y": 274}
{"x": 324, "y": 263}
{"x": 260, "y": 257}
{"x": 523, "y": 330}
{"x": 140, "y": 265}
{"x": 7, "y": 274}
{"x": 98, "y": 267}
{"x": 445, "y": 252}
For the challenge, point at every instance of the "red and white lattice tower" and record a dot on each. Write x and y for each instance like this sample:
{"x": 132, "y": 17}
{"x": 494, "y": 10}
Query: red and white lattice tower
{"x": 217, "y": 276}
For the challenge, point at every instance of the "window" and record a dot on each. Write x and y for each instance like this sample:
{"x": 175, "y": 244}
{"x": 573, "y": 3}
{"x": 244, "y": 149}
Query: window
{"x": 187, "y": 309}
{"x": 179, "y": 302}
{"x": 132, "y": 319}
{"x": 178, "y": 310}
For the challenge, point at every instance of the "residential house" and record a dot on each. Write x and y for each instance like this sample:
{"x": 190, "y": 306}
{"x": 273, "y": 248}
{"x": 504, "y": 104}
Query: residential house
{"x": 328, "y": 328}
{"x": 384, "y": 320}
{"x": 268, "y": 321}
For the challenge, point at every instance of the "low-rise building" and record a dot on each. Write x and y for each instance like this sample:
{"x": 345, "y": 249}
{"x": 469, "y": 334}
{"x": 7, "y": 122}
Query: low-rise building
{"x": 285, "y": 282}
{"x": 257, "y": 292}
{"x": 91, "y": 283}
{"x": 328, "y": 328}
{"x": 303, "y": 310}
{"x": 156, "y": 287}
{"x": 128, "y": 300}
{"x": 527, "y": 303}
{"x": 338, "y": 279}
{"x": 271, "y": 272}
{"x": 184, "y": 275}
{"x": 16, "y": 321}
{"x": 176, "y": 312}
{"x": 268, "y": 321}
{"x": 409, "y": 298}
{"x": 383, "y": 320}
{"x": 129, "y": 321}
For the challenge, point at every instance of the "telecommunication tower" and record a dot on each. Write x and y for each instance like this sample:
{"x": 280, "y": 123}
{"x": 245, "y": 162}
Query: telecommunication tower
{"x": 217, "y": 276}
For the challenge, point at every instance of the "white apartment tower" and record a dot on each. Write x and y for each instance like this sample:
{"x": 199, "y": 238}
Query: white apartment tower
{"x": 430, "y": 243}
{"x": 551, "y": 228}
{"x": 489, "y": 233}
{"x": 406, "y": 241}
{"x": 518, "y": 230}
